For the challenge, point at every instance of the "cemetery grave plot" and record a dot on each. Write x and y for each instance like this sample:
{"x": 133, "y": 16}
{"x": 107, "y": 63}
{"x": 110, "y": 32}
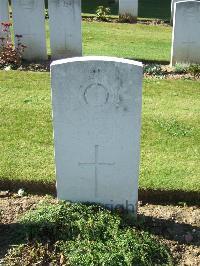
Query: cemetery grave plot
{"x": 170, "y": 128}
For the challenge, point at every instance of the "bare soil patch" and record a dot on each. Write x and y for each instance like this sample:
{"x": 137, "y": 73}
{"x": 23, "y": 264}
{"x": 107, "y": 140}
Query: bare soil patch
{"x": 176, "y": 226}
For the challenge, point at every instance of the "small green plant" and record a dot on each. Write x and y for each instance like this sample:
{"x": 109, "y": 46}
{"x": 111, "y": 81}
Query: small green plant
{"x": 102, "y": 13}
{"x": 181, "y": 68}
{"x": 153, "y": 69}
{"x": 10, "y": 55}
{"x": 127, "y": 18}
{"x": 194, "y": 69}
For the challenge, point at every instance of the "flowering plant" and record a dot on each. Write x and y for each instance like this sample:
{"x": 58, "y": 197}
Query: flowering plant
{"x": 10, "y": 55}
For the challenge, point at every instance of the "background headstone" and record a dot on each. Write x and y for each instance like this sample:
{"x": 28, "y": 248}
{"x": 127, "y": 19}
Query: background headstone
{"x": 173, "y": 2}
{"x": 96, "y": 114}
{"x": 4, "y": 16}
{"x": 29, "y": 21}
{"x": 186, "y": 33}
{"x": 65, "y": 28}
{"x": 129, "y": 7}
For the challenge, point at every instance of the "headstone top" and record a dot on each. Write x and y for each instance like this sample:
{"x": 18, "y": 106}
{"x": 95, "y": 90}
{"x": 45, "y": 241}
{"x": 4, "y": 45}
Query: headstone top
{"x": 65, "y": 15}
{"x": 96, "y": 58}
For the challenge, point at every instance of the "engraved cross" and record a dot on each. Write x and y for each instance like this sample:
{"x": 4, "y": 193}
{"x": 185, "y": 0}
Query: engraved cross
{"x": 96, "y": 165}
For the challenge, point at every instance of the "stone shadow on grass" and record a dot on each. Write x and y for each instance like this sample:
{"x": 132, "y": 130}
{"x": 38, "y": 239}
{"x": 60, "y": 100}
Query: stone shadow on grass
{"x": 151, "y": 196}
{"x": 149, "y": 61}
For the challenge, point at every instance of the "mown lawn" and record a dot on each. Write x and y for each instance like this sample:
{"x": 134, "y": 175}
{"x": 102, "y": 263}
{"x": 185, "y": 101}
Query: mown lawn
{"x": 136, "y": 41}
{"x": 125, "y": 40}
{"x": 170, "y": 133}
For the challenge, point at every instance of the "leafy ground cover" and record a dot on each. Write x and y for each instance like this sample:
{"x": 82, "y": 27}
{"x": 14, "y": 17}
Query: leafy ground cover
{"x": 170, "y": 131}
{"x": 75, "y": 234}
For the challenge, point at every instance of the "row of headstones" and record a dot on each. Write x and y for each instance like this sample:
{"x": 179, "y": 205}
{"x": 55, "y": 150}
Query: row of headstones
{"x": 64, "y": 24}
{"x": 29, "y": 21}
{"x": 65, "y": 27}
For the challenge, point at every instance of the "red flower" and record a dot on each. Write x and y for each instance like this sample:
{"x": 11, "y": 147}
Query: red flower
{"x": 6, "y": 24}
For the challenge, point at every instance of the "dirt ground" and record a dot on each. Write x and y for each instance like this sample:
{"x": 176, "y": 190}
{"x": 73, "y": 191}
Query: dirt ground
{"x": 176, "y": 226}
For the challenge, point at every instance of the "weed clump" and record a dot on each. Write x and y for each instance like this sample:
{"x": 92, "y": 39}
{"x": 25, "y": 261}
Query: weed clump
{"x": 153, "y": 69}
{"x": 194, "y": 69}
{"x": 102, "y": 13}
{"x": 181, "y": 68}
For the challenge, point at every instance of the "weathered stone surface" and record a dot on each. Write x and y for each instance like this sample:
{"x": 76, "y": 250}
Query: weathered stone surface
{"x": 129, "y": 7}
{"x": 29, "y": 21}
{"x": 186, "y": 33}
{"x": 173, "y": 2}
{"x": 96, "y": 114}
{"x": 65, "y": 28}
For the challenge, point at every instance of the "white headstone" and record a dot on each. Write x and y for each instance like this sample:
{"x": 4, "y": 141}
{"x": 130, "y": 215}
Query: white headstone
{"x": 4, "y": 17}
{"x": 186, "y": 33}
{"x": 29, "y": 21}
{"x": 129, "y": 7}
{"x": 96, "y": 116}
{"x": 65, "y": 28}
{"x": 173, "y": 2}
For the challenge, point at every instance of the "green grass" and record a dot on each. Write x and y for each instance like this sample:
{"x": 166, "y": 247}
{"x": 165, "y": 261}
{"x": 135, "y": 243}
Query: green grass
{"x": 142, "y": 42}
{"x": 125, "y": 40}
{"x": 146, "y": 9}
{"x": 170, "y": 133}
